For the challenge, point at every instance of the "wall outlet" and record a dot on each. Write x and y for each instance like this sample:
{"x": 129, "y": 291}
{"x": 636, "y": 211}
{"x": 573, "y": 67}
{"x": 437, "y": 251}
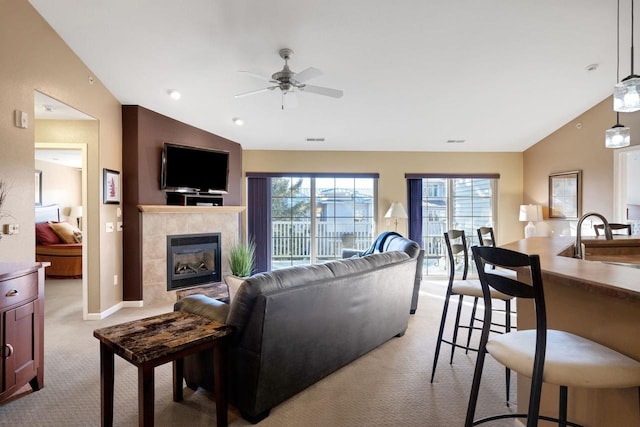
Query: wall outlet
{"x": 115, "y": 279}
{"x": 109, "y": 227}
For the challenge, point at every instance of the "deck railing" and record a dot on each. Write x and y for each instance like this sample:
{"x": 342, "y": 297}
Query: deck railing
{"x": 292, "y": 240}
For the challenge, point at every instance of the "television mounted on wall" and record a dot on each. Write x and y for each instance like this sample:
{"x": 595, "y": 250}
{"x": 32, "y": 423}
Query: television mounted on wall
{"x": 186, "y": 169}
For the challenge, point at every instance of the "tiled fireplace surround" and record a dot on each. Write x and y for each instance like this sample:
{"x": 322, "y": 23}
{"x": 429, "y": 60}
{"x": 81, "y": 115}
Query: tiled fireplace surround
{"x": 157, "y": 222}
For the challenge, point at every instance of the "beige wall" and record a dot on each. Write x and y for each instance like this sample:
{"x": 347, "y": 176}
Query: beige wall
{"x": 35, "y": 58}
{"x": 61, "y": 185}
{"x": 392, "y": 167}
{"x": 577, "y": 145}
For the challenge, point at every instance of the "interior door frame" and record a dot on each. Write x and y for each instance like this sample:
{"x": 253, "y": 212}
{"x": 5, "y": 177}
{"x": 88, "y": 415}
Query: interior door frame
{"x": 620, "y": 182}
{"x": 85, "y": 219}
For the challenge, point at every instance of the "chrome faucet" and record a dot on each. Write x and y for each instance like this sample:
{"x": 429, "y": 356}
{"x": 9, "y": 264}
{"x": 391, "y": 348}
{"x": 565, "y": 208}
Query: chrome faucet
{"x": 577, "y": 249}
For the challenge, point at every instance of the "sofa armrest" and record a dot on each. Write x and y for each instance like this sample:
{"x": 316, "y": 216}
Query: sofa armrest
{"x": 350, "y": 253}
{"x": 204, "y": 306}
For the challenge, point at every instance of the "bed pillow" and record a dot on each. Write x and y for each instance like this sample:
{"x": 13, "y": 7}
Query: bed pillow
{"x": 45, "y": 234}
{"x": 65, "y": 231}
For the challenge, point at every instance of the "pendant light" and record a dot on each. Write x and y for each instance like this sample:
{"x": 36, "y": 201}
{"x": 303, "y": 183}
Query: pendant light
{"x": 626, "y": 94}
{"x": 618, "y": 136}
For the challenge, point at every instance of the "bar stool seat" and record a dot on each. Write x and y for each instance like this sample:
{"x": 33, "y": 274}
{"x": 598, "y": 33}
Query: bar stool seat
{"x": 570, "y": 360}
{"x": 473, "y": 288}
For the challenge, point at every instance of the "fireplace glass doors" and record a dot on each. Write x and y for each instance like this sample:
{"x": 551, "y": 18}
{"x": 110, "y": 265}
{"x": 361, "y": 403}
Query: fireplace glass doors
{"x": 193, "y": 259}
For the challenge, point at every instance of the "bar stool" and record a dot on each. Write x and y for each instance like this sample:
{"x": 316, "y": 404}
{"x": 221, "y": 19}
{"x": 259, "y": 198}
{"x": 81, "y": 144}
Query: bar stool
{"x": 456, "y": 244}
{"x": 613, "y": 226}
{"x": 486, "y": 236}
{"x": 544, "y": 355}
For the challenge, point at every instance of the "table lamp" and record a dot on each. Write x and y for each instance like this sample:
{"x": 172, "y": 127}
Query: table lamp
{"x": 530, "y": 213}
{"x": 76, "y": 212}
{"x": 396, "y": 211}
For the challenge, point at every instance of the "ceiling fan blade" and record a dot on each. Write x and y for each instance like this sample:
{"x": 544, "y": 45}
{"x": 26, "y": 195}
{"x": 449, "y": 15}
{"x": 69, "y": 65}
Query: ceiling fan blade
{"x": 253, "y": 92}
{"x": 334, "y": 93}
{"x": 289, "y": 100}
{"x": 308, "y": 74}
{"x": 257, "y": 76}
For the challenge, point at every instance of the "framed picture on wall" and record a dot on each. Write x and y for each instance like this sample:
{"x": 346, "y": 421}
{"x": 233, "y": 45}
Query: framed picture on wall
{"x": 110, "y": 187}
{"x": 565, "y": 195}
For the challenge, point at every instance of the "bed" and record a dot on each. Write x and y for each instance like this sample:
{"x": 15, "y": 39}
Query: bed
{"x": 58, "y": 243}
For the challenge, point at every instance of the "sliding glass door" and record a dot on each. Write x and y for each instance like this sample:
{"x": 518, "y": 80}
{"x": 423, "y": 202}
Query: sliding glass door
{"x": 314, "y": 217}
{"x": 454, "y": 203}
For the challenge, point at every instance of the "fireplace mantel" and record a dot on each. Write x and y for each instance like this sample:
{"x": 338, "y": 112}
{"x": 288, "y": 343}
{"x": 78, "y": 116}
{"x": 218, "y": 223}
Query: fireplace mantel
{"x": 189, "y": 209}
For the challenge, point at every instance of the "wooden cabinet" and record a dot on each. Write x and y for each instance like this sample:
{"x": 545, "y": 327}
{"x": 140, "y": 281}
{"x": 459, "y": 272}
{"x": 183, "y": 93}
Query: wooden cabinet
{"x": 21, "y": 326}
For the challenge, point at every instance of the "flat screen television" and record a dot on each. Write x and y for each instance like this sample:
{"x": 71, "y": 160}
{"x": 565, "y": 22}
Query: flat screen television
{"x": 194, "y": 169}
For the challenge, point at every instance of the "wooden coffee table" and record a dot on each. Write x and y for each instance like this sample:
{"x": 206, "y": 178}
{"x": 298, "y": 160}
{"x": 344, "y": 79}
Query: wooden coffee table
{"x": 153, "y": 341}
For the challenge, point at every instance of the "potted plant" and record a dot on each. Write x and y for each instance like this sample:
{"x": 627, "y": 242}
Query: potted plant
{"x": 241, "y": 257}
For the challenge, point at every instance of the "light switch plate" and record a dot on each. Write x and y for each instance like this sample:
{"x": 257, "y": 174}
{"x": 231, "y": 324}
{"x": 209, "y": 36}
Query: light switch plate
{"x": 21, "y": 119}
{"x": 119, "y": 225}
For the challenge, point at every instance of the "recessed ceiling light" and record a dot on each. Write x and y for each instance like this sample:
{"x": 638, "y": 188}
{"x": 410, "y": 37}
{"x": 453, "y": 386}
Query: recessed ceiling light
{"x": 455, "y": 141}
{"x": 315, "y": 139}
{"x": 238, "y": 121}
{"x": 175, "y": 94}
{"x": 591, "y": 67}
{"x": 48, "y": 108}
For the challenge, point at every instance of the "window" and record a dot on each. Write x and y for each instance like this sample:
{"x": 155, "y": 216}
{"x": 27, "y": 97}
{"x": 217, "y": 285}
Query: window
{"x": 314, "y": 217}
{"x": 464, "y": 203}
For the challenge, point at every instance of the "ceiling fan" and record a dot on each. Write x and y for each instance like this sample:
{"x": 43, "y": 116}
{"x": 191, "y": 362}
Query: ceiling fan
{"x": 289, "y": 82}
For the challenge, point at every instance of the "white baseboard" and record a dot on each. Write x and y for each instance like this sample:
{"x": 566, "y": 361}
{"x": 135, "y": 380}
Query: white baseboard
{"x": 104, "y": 314}
{"x": 110, "y": 311}
{"x": 132, "y": 304}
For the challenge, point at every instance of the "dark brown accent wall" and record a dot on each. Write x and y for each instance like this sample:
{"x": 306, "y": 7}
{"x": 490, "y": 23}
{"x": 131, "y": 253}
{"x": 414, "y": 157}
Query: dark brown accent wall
{"x": 143, "y": 134}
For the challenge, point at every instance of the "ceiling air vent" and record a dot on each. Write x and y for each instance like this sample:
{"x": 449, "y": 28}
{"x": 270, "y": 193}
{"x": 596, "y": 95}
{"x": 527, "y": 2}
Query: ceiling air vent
{"x": 315, "y": 139}
{"x": 455, "y": 141}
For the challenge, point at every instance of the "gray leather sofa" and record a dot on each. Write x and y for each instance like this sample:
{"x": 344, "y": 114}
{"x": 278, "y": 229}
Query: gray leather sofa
{"x": 391, "y": 241}
{"x": 297, "y": 325}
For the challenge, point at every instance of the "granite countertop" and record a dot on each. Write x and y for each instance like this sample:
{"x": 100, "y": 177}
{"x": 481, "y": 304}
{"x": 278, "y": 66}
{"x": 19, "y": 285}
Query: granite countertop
{"x": 148, "y": 339}
{"x": 602, "y": 278}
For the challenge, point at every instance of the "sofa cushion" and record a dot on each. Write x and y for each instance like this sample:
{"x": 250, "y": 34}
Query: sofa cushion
{"x": 233, "y": 284}
{"x": 45, "y": 234}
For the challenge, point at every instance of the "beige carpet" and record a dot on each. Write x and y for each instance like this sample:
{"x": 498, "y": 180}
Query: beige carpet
{"x": 387, "y": 387}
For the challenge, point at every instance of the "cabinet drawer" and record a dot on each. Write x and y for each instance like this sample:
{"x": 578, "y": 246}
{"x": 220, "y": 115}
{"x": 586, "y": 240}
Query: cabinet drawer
{"x": 18, "y": 289}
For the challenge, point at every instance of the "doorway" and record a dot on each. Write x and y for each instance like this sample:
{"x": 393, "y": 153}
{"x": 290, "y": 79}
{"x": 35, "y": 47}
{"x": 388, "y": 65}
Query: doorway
{"x": 626, "y": 196}
{"x": 62, "y": 138}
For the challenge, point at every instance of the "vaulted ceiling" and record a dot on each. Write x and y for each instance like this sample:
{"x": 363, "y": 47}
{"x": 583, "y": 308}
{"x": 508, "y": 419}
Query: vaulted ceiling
{"x": 497, "y": 74}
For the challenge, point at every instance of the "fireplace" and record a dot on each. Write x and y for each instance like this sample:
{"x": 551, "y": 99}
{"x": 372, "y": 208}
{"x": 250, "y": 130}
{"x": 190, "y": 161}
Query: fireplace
{"x": 193, "y": 259}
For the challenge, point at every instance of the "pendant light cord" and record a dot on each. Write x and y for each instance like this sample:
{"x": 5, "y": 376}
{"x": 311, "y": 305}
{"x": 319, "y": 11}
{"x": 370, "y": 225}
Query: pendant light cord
{"x": 618, "y": 56}
{"x": 632, "y": 1}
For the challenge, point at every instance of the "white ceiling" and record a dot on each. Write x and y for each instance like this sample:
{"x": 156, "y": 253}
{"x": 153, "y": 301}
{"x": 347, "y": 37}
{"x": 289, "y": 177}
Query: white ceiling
{"x": 499, "y": 74}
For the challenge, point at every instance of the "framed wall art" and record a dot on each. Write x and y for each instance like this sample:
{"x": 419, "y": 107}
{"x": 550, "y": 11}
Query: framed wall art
{"x": 110, "y": 187}
{"x": 565, "y": 195}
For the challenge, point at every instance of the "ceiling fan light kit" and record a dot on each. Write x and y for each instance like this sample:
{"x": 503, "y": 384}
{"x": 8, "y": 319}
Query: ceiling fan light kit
{"x": 290, "y": 82}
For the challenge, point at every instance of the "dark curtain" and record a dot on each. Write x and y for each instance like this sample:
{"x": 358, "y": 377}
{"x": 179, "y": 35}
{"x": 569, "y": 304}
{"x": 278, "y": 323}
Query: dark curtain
{"x": 414, "y": 200}
{"x": 259, "y": 220}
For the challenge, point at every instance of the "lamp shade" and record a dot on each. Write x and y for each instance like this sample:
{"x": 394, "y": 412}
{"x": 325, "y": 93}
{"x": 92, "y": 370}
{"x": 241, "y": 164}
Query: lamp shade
{"x": 75, "y": 212}
{"x": 626, "y": 95}
{"x": 617, "y": 137}
{"x": 396, "y": 210}
{"x": 530, "y": 213}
